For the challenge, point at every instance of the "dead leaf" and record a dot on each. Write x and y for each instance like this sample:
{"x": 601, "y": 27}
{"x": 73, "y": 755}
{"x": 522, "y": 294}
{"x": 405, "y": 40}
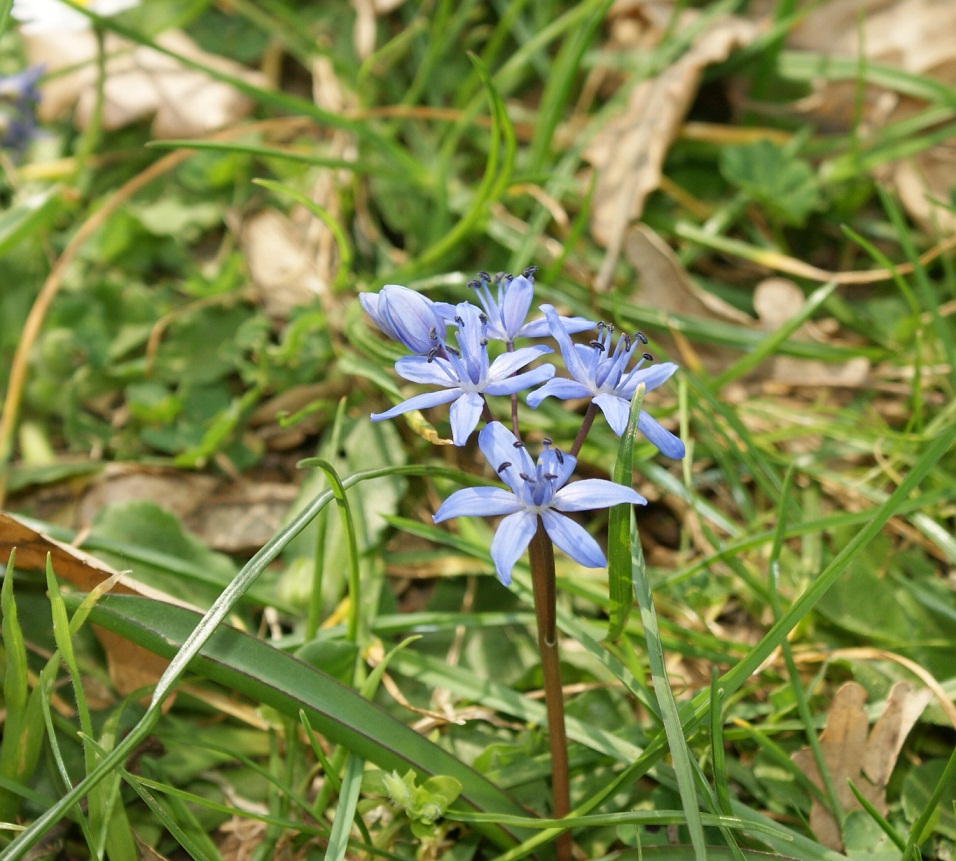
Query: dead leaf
{"x": 628, "y": 154}
{"x": 915, "y": 36}
{"x": 281, "y": 257}
{"x": 130, "y": 666}
{"x": 140, "y": 82}
{"x": 777, "y": 300}
{"x": 851, "y": 754}
{"x": 666, "y": 286}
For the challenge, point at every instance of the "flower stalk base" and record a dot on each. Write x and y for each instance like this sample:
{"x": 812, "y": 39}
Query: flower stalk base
{"x": 545, "y": 609}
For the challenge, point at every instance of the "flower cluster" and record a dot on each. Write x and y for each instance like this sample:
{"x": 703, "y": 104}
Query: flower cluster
{"x": 463, "y": 374}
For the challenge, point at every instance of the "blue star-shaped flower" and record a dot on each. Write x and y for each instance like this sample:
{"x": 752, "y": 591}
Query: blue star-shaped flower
{"x": 535, "y": 490}
{"x": 508, "y": 307}
{"x": 408, "y": 317}
{"x": 601, "y": 374}
{"x": 466, "y": 375}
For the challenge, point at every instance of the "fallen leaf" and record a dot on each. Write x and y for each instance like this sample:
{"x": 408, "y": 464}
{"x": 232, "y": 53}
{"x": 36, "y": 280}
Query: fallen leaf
{"x": 281, "y": 256}
{"x": 915, "y": 36}
{"x": 140, "y": 82}
{"x": 665, "y": 285}
{"x": 628, "y": 154}
{"x": 130, "y": 666}
{"x": 851, "y": 754}
{"x": 776, "y": 300}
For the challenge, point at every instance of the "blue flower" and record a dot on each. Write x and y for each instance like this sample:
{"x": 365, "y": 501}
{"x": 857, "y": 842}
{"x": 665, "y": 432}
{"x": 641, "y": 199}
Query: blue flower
{"x": 601, "y": 374}
{"x": 408, "y": 317}
{"x": 535, "y": 490}
{"x": 509, "y": 306}
{"x": 19, "y": 97}
{"x": 466, "y": 376}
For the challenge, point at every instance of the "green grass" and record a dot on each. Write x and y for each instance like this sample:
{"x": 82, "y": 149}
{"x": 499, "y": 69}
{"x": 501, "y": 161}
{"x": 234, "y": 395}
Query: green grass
{"x": 316, "y": 647}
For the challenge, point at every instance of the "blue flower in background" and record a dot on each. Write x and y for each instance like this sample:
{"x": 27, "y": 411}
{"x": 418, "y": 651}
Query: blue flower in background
{"x": 409, "y": 318}
{"x": 535, "y": 490}
{"x": 601, "y": 374}
{"x": 19, "y": 98}
{"x": 466, "y": 375}
{"x": 508, "y": 307}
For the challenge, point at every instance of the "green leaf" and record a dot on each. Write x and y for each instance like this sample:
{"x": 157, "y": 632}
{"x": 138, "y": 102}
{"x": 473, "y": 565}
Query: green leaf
{"x": 28, "y": 217}
{"x": 620, "y": 587}
{"x": 261, "y": 672}
{"x": 783, "y": 183}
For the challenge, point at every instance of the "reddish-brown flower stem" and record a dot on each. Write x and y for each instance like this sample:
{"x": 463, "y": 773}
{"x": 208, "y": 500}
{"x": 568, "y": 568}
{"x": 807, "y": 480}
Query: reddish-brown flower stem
{"x": 545, "y": 610}
{"x": 585, "y": 427}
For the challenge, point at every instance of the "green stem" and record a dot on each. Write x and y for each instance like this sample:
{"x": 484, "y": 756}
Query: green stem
{"x": 545, "y": 610}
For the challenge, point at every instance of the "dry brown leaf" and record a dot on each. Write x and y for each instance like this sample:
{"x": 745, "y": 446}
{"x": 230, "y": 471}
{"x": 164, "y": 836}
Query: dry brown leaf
{"x": 777, "y": 300}
{"x": 140, "y": 82}
{"x": 281, "y": 259}
{"x": 628, "y": 154}
{"x": 231, "y": 517}
{"x": 665, "y": 285}
{"x": 853, "y": 755}
{"x": 130, "y": 666}
{"x": 915, "y": 36}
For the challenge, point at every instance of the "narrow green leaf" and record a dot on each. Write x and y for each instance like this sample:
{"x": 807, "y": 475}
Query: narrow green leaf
{"x": 665, "y": 698}
{"x": 620, "y": 588}
{"x": 345, "y": 814}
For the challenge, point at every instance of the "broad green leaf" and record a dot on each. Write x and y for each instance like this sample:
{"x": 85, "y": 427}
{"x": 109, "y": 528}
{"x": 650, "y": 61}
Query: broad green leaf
{"x": 261, "y": 672}
{"x": 783, "y": 183}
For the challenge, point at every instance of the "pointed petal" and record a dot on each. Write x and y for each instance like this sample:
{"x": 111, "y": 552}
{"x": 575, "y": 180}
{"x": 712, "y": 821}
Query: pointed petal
{"x": 615, "y": 409}
{"x": 593, "y": 493}
{"x": 519, "y": 382}
{"x": 559, "y": 387}
{"x": 516, "y": 304}
{"x": 572, "y": 361}
{"x": 574, "y": 540}
{"x": 513, "y": 535}
{"x": 419, "y": 402}
{"x": 412, "y": 317}
{"x": 668, "y": 444}
{"x": 497, "y": 444}
{"x": 541, "y": 329}
{"x": 477, "y": 502}
{"x": 507, "y": 363}
{"x": 652, "y": 377}
{"x": 417, "y": 369}
{"x": 464, "y": 415}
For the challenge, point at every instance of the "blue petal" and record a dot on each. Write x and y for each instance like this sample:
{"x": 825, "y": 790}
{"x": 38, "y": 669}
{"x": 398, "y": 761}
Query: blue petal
{"x": 497, "y": 444}
{"x": 412, "y": 317}
{"x": 512, "y": 384}
{"x": 464, "y": 415}
{"x": 477, "y": 502}
{"x": 513, "y": 535}
{"x": 516, "y": 304}
{"x": 370, "y": 302}
{"x": 559, "y": 387}
{"x": 540, "y": 328}
{"x": 668, "y": 444}
{"x": 573, "y": 539}
{"x": 592, "y": 493}
{"x": 419, "y": 402}
{"x": 652, "y": 377}
{"x": 616, "y": 411}
{"x": 572, "y": 361}
{"x": 418, "y": 369}
{"x": 507, "y": 363}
